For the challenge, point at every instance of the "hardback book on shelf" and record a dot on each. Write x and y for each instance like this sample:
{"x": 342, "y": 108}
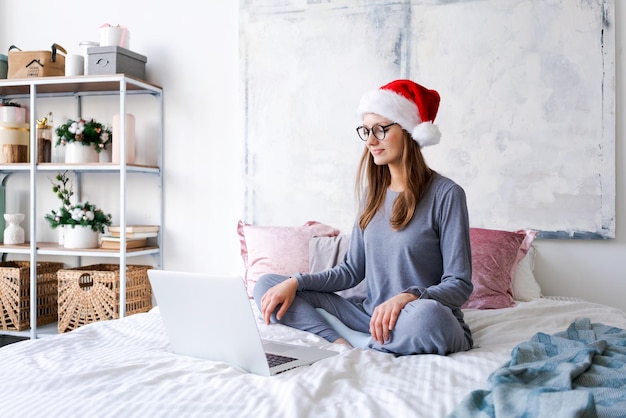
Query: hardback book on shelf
{"x": 134, "y": 228}
{"x": 113, "y": 243}
{"x": 135, "y": 234}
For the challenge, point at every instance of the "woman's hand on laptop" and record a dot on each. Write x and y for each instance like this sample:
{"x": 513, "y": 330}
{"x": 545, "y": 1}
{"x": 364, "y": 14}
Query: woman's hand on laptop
{"x": 281, "y": 294}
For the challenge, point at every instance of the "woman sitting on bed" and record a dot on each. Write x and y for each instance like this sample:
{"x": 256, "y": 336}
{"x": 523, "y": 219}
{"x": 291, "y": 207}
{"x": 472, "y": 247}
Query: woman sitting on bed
{"x": 410, "y": 243}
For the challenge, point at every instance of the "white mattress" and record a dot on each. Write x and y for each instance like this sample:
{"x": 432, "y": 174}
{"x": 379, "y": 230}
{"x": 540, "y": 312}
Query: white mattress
{"x": 124, "y": 368}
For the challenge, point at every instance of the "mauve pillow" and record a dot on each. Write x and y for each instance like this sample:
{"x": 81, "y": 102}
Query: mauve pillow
{"x": 495, "y": 254}
{"x": 277, "y": 249}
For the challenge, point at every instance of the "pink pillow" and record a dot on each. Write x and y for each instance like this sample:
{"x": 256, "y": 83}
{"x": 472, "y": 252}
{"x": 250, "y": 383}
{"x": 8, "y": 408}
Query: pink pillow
{"x": 277, "y": 249}
{"x": 495, "y": 255}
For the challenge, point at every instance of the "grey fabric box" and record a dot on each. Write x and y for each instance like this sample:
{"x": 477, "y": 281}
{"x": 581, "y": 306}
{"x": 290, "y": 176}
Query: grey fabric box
{"x": 115, "y": 60}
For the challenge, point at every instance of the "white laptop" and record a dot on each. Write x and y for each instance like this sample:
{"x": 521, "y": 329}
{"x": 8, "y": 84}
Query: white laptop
{"x": 210, "y": 317}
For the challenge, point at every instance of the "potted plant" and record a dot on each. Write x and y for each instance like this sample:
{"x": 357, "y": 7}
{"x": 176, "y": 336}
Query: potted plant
{"x": 12, "y": 112}
{"x": 84, "y": 139}
{"x": 81, "y": 222}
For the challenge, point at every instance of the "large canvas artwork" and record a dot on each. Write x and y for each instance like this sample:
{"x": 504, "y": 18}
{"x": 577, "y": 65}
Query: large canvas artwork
{"x": 527, "y": 113}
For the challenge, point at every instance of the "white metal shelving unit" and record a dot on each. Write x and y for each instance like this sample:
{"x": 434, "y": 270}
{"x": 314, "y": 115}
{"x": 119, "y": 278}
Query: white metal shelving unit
{"x": 77, "y": 87}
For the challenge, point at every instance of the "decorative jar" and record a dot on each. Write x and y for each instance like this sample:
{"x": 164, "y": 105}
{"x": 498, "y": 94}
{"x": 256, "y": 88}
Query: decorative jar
{"x": 14, "y": 233}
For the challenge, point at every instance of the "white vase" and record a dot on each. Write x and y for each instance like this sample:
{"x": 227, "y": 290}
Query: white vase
{"x": 79, "y": 237}
{"x": 14, "y": 233}
{"x": 77, "y": 153}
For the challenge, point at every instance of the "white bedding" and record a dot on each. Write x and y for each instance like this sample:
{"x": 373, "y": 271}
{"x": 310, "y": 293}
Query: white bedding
{"x": 124, "y": 368}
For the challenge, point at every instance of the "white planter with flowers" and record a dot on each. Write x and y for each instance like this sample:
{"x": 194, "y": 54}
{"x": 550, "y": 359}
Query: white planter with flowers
{"x": 83, "y": 140}
{"x": 80, "y": 222}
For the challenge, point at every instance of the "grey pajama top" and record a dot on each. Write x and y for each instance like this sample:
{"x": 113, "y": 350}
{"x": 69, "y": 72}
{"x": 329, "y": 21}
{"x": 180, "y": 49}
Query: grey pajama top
{"x": 430, "y": 257}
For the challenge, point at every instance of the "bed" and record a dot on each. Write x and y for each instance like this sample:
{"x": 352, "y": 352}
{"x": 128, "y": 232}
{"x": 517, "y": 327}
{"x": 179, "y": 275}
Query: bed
{"x": 126, "y": 368}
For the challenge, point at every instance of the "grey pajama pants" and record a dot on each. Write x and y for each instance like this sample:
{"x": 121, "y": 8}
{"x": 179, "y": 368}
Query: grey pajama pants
{"x": 424, "y": 326}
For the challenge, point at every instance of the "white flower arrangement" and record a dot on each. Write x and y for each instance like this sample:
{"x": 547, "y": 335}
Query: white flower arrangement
{"x": 86, "y": 132}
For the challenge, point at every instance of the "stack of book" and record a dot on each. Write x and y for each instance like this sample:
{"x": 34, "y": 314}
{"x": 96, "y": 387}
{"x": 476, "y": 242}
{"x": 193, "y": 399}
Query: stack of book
{"x": 136, "y": 236}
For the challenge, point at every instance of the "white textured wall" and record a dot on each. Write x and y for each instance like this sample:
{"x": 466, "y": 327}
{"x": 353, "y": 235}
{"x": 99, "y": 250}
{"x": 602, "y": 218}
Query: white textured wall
{"x": 595, "y": 270}
{"x": 527, "y": 109}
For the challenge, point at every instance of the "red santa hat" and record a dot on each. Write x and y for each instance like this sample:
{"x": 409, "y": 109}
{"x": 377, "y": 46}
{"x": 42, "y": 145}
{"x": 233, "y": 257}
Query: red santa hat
{"x": 408, "y": 104}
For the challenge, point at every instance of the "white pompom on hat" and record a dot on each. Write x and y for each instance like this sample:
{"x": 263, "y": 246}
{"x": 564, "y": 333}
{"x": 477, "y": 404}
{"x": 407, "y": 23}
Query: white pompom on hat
{"x": 408, "y": 104}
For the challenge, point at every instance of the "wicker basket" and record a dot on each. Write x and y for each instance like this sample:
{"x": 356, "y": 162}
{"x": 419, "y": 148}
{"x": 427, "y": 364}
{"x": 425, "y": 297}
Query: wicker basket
{"x": 15, "y": 294}
{"x": 92, "y": 293}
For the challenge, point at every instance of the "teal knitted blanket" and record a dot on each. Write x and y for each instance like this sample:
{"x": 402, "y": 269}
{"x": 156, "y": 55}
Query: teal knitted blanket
{"x": 580, "y": 372}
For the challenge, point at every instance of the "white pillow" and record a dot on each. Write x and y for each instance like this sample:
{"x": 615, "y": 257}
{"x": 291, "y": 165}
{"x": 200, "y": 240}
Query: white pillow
{"x": 525, "y": 286}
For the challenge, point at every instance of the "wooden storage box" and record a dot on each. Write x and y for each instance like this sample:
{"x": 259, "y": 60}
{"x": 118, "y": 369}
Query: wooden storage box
{"x": 15, "y": 294}
{"x": 29, "y": 64}
{"x": 92, "y": 293}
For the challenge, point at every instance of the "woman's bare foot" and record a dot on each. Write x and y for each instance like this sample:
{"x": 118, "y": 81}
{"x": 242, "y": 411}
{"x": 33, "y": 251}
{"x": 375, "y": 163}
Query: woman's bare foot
{"x": 342, "y": 341}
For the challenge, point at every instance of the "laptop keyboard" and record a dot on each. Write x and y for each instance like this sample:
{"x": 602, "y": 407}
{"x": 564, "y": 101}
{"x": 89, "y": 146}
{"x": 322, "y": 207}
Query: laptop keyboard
{"x": 277, "y": 360}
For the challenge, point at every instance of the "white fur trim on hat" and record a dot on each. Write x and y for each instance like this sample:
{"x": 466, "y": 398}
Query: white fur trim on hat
{"x": 426, "y": 134}
{"x": 402, "y": 111}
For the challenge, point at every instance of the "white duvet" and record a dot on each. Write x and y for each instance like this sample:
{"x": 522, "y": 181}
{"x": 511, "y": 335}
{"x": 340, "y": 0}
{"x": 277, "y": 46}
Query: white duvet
{"x": 124, "y": 368}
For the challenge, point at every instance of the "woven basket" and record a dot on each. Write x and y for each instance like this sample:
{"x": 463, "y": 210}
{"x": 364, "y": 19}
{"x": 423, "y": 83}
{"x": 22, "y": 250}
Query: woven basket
{"x": 92, "y": 293}
{"x": 15, "y": 294}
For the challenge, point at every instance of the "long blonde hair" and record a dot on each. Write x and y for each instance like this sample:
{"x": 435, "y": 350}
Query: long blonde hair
{"x": 376, "y": 179}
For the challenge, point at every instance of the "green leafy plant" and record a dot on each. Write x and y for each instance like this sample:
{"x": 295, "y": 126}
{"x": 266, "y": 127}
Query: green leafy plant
{"x": 87, "y": 133}
{"x": 14, "y": 104}
{"x": 83, "y": 214}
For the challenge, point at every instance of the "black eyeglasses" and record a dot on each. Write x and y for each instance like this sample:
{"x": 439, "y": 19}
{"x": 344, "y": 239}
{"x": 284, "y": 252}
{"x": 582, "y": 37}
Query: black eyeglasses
{"x": 377, "y": 130}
